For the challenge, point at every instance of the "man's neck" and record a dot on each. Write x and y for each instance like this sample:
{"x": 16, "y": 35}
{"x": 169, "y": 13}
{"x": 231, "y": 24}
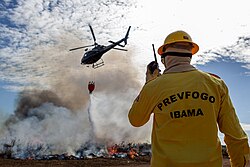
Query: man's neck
{"x": 178, "y": 64}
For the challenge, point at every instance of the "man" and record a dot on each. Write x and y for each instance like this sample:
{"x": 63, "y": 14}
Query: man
{"x": 188, "y": 106}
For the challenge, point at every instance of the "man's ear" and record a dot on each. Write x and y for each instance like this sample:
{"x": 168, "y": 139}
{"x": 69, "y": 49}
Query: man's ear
{"x": 163, "y": 61}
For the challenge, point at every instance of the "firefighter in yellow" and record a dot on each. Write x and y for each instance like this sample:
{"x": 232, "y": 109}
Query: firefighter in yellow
{"x": 188, "y": 106}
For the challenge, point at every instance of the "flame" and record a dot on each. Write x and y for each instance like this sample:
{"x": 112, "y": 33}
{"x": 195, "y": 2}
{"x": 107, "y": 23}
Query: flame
{"x": 129, "y": 152}
{"x": 132, "y": 153}
{"x": 112, "y": 150}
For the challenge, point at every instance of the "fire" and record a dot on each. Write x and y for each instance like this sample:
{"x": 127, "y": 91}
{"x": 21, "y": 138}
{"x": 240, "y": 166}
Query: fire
{"x": 88, "y": 150}
{"x": 112, "y": 150}
{"x": 122, "y": 151}
{"x": 132, "y": 153}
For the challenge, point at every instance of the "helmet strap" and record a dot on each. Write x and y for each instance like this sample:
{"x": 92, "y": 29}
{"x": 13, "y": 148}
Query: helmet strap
{"x": 180, "y": 54}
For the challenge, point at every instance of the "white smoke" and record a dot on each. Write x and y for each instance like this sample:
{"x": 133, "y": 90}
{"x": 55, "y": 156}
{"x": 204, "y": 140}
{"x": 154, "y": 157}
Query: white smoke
{"x": 57, "y": 127}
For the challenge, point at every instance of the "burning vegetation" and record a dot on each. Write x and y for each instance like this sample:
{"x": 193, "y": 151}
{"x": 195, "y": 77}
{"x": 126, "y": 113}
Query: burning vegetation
{"x": 89, "y": 150}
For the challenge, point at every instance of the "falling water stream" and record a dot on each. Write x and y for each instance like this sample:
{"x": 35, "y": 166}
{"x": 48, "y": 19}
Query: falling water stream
{"x": 92, "y": 131}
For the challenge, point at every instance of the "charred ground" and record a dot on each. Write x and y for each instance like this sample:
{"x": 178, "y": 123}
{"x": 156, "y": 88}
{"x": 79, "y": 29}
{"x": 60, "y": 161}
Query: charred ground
{"x": 142, "y": 161}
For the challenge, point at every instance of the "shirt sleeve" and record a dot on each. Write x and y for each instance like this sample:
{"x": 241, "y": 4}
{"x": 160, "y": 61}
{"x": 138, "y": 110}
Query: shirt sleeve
{"x": 235, "y": 137}
{"x": 140, "y": 112}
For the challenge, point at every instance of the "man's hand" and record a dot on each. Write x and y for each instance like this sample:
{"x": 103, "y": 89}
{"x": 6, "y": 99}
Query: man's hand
{"x": 153, "y": 71}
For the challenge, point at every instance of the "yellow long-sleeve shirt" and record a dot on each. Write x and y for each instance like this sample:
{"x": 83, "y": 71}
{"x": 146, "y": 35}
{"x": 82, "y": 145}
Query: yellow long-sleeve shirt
{"x": 188, "y": 108}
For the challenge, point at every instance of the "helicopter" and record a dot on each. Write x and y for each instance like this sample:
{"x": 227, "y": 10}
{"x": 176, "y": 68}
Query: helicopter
{"x": 94, "y": 55}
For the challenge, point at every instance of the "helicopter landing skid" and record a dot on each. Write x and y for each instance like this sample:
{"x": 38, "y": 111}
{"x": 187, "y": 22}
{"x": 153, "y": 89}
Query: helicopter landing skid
{"x": 99, "y": 64}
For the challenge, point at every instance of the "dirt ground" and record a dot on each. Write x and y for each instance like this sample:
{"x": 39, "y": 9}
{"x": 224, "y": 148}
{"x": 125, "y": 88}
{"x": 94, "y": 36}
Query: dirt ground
{"x": 95, "y": 162}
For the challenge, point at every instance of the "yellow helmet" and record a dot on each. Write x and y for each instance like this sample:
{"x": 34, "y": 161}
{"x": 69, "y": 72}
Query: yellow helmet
{"x": 178, "y": 36}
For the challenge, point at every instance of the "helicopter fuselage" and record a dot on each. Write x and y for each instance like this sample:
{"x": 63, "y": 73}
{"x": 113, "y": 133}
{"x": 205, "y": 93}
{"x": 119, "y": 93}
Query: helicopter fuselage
{"x": 92, "y": 56}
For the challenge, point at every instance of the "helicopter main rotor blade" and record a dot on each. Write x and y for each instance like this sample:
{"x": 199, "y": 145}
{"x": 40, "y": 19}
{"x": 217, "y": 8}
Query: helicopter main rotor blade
{"x": 80, "y": 47}
{"x": 92, "y": 32}
{"x": 120, "y": 49}
{"x": 117, "y": 44}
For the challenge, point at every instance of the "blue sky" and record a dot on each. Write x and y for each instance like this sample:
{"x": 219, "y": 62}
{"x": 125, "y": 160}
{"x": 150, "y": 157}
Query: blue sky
{"x": 8, "y": 99}
{"x": 36, "y": 37}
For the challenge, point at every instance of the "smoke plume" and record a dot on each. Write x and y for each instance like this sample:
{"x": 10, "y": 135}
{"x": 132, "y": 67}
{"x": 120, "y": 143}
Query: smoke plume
{"x": 56, "y": 115}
